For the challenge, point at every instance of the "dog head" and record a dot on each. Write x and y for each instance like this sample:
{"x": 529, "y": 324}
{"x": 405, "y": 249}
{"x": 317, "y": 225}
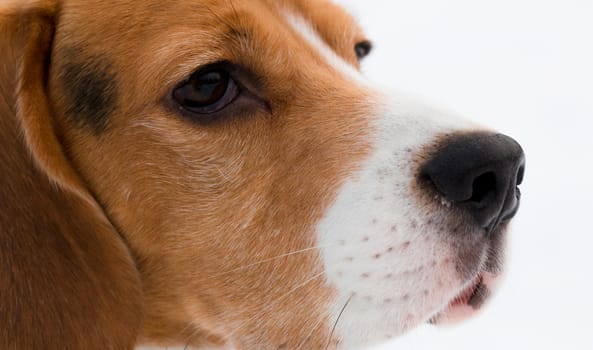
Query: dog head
{"x": 269, "y": 196}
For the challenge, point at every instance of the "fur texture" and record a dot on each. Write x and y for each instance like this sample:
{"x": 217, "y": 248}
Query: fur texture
{"x": 294, "y": 220}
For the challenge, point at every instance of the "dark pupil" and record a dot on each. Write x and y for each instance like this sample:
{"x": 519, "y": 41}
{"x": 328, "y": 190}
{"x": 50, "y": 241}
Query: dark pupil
{"x": 362, "y": 49}
{"x": 206, "y": 89}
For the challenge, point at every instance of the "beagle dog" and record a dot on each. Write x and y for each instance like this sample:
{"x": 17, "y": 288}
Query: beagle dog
{"x": 219, "y": 174}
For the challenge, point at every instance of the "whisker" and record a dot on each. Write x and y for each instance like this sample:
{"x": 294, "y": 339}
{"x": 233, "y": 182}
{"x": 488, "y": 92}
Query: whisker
{"x": 303, "y": 343}
{"x": 191, "y": 336}
{"x": 308, "y": 280}
{"x": 336, "y": 323}
{"x": 316, "y": 326}
{"x": 299, "y": 286}
{"x": 273, "y": 258}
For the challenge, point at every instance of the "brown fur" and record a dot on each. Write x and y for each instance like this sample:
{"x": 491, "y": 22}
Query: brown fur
{"x": 153, "y": 228}
{"x": 67, "y": 280}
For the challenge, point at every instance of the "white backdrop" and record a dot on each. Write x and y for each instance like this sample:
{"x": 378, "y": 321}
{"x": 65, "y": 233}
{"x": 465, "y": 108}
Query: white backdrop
{"x": 524, "y": 67}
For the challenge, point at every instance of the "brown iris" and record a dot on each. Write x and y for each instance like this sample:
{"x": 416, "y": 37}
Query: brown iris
{"x": 206, "y": 91}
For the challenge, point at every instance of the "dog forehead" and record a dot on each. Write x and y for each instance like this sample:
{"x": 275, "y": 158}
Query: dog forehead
{"x": 112, "y": 21}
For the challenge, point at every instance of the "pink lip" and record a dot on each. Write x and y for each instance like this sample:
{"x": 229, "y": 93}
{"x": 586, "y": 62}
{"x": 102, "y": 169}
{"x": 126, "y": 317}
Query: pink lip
{"x": 465, "y": 296}
{"x": 468, "y": 301}
{"x": 459, "y": 307}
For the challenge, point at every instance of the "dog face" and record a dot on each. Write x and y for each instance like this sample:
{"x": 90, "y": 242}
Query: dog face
{"x": 269, "y": 195}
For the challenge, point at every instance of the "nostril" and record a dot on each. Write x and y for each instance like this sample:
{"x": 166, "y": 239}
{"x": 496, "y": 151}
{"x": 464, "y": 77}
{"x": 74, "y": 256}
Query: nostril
{"x": 520, "y": 174}
{"x": 483, "y": 186}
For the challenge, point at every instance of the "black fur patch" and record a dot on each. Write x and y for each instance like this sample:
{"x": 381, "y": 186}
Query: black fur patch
{"x": 91, "y": 90}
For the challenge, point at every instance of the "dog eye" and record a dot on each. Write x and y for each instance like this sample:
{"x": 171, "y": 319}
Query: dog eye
{"x": 363, "y": 49}
{"x": 206, "y": 91}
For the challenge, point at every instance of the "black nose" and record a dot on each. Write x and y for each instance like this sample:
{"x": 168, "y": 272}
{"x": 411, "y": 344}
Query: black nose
{"x": 479, "y": 172}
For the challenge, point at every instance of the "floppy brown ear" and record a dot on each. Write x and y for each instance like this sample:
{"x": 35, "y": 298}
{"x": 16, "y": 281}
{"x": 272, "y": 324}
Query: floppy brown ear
{"x": 67, "y": 279}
